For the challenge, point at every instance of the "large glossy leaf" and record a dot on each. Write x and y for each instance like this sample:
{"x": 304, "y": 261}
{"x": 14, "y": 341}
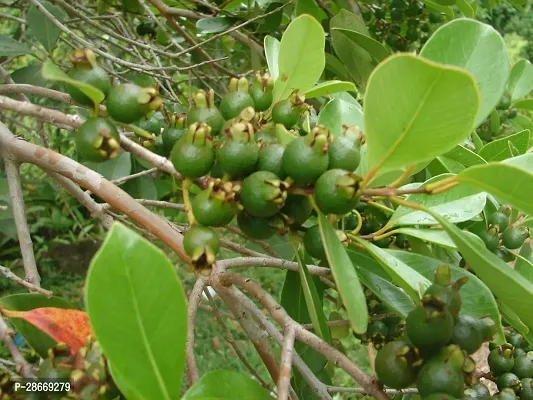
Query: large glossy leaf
{"x": 337, "y": 113}
{"x": 504, "y": 282}
{"x": 30, "y": 75}
{"x": 357, "y": 61}
{"x": 52, "y": 72}
{"x": 113, "y": 169}
{"x": 41, "y": 27}
{"x": 458, "y": 204}
{"x": 310, "y": 7}
{"x": 401, "y": 274}
{"x": 510, "y": 181}
{"x": 272, "y": 52}
{"x": 464, "y": 156}
{"x": 524, "y": 104}
{"x": 10, "y": 47}
{"x": 437, "y": 114}
{"x": 376, "y": 50}
{"x": 524, "y": 262}
{"x": 437, "y": 236}
{"x": 329, "y": 87}
{"x": 476, "y": 296}
{"x": 36, "y": 338}
{"x": 477, "y": 42}
{"x": 346, "y": 278}
{"x": 142, "y": 187}
{"x": 498, "y": 150}
{"x": 378, "y": 282}
{"x": 213, "y": 24}
{"x": 520, "y": 80}
{"x": 226, "y": 385}
{"x": 138, "y": 312}
{"x": 301, "y": 57}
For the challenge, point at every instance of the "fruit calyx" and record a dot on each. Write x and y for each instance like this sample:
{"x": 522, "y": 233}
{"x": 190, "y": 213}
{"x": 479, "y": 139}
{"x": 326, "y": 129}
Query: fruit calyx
{"x": 83, "y": 59}
{"x": 203, "y": 99}
{"x": 199, "y": 134}
{"x": 319, "y": 139}
{"x": 149, "y": 99}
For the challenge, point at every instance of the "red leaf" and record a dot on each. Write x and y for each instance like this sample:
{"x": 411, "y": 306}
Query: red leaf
{"x": 63, "y": 325}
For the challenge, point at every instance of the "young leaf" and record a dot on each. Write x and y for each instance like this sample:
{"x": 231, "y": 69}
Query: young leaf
{"x": 458, "y": 204}
{"x": 401, "y": 274}
{"x": 524, "y": 262}
{"x": 35, "y": 337}
{"x": 376, "y": 50}
{"x": 524, "y": 104}
{"x": 213, "y": 24}
{"x": 337, "y": 113}
{"x": 438, "y": 113}
{"x": 61, "y": 324}
{"x": 330, "y": 87}
{"x": 465, "y": 8}
{"x": 301, "y": 57}
{"x": 504, "y": 282}
{"x": 476, "y": 297}
{"x": 478, "y": 42}
{"x": 464, "y": 156}
{"x": 436, "y": 236}
{"x": 313, "y": 302}
{"x": 52, "y": 72}
{"x": 9, "y": 47}
{"x": 226, "y": 385}
{"x": 272, "y": 54}
{"x": 42, "y": 28}
{"x": 346, "y": 278}
{"x": 138, "y": 311}
{"x": 520, "y": 82}
{"x": 310, "y": 7}
{"x": 498, "y": 150}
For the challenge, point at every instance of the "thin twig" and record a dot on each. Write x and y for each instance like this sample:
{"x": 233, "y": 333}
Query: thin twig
{"x": 287, "y": 351}
{"x": 10, "y": 275}
{"x": 192, "y": 308}
{"x": 265, "y": 246}
{"x": 22, "y": 366}
{"x": 340, "y": 389}
{"x": 243, "y": 262}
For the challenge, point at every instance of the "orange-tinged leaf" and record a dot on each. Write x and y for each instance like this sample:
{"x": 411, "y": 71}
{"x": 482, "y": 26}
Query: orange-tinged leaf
{"x": 63, "y": 325}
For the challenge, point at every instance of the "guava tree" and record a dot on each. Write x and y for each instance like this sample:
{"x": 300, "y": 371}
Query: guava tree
{"x": 378, "y": 152}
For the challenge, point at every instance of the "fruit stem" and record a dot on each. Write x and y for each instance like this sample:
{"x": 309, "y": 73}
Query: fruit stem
{"x": 445, "y": 182}
{"x": 378, "y": 237}
{"x": 187, "y": 201}
{"x": 139, "y": 132}
{"x": 403, "y": 178}
{"x": 359, "y": 223}
{"x": 380, "y": 207}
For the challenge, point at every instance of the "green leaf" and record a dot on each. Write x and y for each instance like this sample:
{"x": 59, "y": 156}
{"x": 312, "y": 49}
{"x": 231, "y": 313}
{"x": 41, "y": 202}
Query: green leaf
{"x": 36, "y": 338}
{"x": 226, "y": 385}
{"x": 520, "y": 82}
{"x": 438, "y": 6}
{"x": 478, "y": 43}
{"x": 464, "y": 156}
{"x": 270, "y": 23}
{"x": 9, "y": 47}
{"x": 137, "y": 308}
{"x": 301, "y": 57}
{"x": 465, "y": 8}
{"x": 30, "y": 75}
{"x": 112, "y": 169}
{"x": 401, "y": 274}
{"x": 438, "y": 113}
{"x": 52, "y": 72}
{"x": 313, "y": 302}
{"x": 510, "y": 181}
{"x": 348, "y": 285}
{"x": 329, "y": 87}
{"x": 460, "y": 203}
{"x": 272, "y": 46}
{"x": 521, "y": 122}
{"x": 42, "y": 28}
{"x": 142, "y": 187}
{"x": 376, "y": 50}
{"x": 510, "y": 316}
{"x": 436, "y": 236}
{"x": 337, "y": 113}
{"x": 357, "y": 61}
{"x": 378, "y": 282}
{"x": 524, "y": 262}
{"x": 310, "y": 7}
{"x": 213, "y": 24}
{"x": 504, "y": 282}
{"x": 336, "y": 67}
{"x": 477, "y": 299}
{"x": 524, "y": 104}
{"x": 498, "y": 150}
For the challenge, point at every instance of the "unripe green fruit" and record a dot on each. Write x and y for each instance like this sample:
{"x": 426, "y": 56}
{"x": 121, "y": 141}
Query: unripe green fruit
{"x": 212, "y": 209}
{"x": 193, "y": 155}
{"x": 313, "y": 243}
{"x": 286, "y": 113}
{"x": 501, "y": 360}
{"x": 263, "y": 194}
{"x": 297, "y": 208}
{"x": 505, "y": 102}
{"x": 257, "y": 227}
{"x": 442, "y": 373}
{"x": 499, "y": 218}
{"x": 237, "y": 99}
{"x": 170, "y": 137}
{"x": 505, "y": 394}
{"x": 514, "y": 338}
{"x": 430, "y": 325}
{"x": 155, "y": 124}
{"x": 514, "y": 237}
{"x": 306, "y": 158}
{"x": 467, "y": 333}
{"x": 128, "y": 102}
{"x": 439, "y": 396}
{"x": 490, "y": 238}
{"x": 201, "y": 243}
{"x": 203, "y": 110}
{"x": 509, "y": 380}
{"x": 95, "y": 76}
{"x": 523, "y": 366}
{"x": 344, "y": 153}
{"x": 336, "y": 191}
{"x": 271, "y": 159}
{"x": 394, "y": 365}
{"x": 239, "y": 154}
{"x": 526, "y": 392}
{"x": 97, "y": 140}
{"x": 449, "y": 295}
{"x": 477, "y": 392}
{"x": 261, "y": 91}
{"x": 517, "y": 352}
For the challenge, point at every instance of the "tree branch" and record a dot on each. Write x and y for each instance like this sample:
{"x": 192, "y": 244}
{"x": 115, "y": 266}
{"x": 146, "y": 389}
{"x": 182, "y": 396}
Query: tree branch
{"x": 192, "y": 308}
{"x": 243, "y": 262}
{"x": 287, "y": 350}
{"x": 22, "y": 366}
{"x": 11, "y": 276}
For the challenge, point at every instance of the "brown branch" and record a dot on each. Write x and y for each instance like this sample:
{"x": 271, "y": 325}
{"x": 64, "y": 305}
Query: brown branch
{"x": 88, "y": 179}
{"x": 287, "y": 351}
{"x": 243, "y": 262}
{"x": 391, "y": 191}
{"x": 22, "y": 365}
{"x": 9, "y": 81}
{"x": 19, "y": 215}
{"x": 192, "y": 308}
{"x": 11, "y": 276}
{"x": 340, "y": 389}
